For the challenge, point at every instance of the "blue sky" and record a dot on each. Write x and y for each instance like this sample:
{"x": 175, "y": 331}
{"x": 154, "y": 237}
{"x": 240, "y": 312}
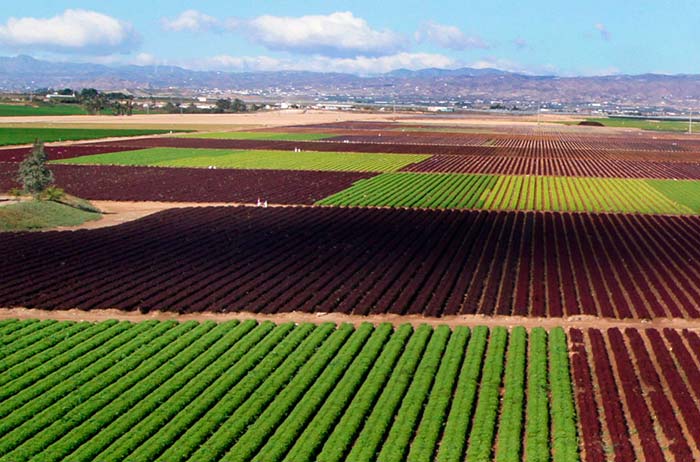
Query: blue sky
{"x": 593, "y": 37}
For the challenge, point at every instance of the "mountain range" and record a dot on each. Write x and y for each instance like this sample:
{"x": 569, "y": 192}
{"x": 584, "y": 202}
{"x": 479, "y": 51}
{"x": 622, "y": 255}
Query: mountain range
{"x": 22, "y": 73}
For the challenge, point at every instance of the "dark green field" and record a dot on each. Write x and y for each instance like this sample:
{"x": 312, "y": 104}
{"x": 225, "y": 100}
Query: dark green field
{"x": 16, "y": 110}
{"x": 18, "y": 135}
{"x": 645, "y": 124}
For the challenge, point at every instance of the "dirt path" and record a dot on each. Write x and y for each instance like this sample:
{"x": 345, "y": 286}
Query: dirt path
{"x": 118, "y": 212}
{"x": 581, "y": 322}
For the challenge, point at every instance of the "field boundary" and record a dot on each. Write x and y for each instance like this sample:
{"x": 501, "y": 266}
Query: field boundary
{"x": 578, "y": 322}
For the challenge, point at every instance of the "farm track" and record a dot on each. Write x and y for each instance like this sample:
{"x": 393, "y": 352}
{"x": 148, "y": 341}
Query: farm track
{"x": 572, "y": 322}
{"x": 365, "y": 261}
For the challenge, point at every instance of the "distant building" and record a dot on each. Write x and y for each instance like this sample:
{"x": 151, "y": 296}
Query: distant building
{"x": 57, "y": 97}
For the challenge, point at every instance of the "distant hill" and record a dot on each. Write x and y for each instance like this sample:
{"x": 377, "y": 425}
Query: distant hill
{"x": 24, "y": 72}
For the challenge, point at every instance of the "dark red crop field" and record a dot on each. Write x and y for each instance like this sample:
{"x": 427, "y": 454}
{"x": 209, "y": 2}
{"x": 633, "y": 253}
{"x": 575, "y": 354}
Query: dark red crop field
{"x": 637, "y": 393}
{"x": 511, "y": 165}
{"x": 61, "y": 152}
{"x": 365, "y": 261}
{"x": 192, "y": 184}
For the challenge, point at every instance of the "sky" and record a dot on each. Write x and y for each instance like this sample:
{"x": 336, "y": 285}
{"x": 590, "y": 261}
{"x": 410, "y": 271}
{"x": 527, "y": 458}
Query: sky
{"x": 593, "y": 37}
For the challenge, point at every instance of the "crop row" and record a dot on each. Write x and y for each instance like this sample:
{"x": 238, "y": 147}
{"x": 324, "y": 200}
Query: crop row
{"x": 663, "y": 151}
{"x": 191, "y": 184}
{"x": 573, "y": 167}
{"x": 637, "y": 393}
{"x": 445, "y": 190}
{"x": 266, "y": 160}
{"x": 365, "y": 261}
{"x": 246, "y": 392}
{"x": 552, "y": 140}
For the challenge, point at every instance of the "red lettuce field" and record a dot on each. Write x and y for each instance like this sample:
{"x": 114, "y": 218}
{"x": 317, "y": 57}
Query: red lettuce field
{"x": 365, "y": 261}
{"x": 192, "y": 184}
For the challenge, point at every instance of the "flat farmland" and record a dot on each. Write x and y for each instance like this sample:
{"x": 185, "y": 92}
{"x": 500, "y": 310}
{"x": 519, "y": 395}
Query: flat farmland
{"x": 543, "y": 283}
{"x": 364, "y": 261}
{"x": 491, "y": 192}
{"x": 259, "y": 159}
{"x": 241, "y": 391}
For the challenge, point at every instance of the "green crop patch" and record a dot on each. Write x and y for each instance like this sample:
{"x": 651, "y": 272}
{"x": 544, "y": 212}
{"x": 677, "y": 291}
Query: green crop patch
{"x": 18, "y": 110}
{"x": 20, "y": 135}
{"x": 260, "y": 136}
{"x": 683, "y": 192}
{"x": 266, "y": 160}
{"x": 645, "y": 124}
{"x": 248, "y": 391}
{"x": 490, "y": 192}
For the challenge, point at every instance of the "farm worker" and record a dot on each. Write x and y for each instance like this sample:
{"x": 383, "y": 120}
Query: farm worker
{"x": 265, "y": 205}
{"x": 259, "y": 204}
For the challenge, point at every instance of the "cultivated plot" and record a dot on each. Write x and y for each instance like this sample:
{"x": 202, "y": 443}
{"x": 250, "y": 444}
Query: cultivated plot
{"x": 490, "y": 192}
{"x": 260, "y": 136}
{"x": 274, "y": 160}
{"x": 637, "y": 392}
{"x": 117, "y": 183}
{"x": 365, "y": 261}
{"x": 167, "y": 391}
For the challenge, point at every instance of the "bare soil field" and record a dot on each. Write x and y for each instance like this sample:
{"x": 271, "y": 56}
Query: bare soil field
{"x": 202, "y": 121}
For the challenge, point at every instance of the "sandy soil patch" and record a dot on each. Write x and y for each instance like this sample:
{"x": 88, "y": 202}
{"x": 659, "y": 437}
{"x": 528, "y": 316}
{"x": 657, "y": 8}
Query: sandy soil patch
{"x": 259, "y": 119}
{"x": 580, "y": 322}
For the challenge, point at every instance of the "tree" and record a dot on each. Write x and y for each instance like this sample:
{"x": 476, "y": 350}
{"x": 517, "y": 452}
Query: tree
{"x": 238, "y": 105}
{"x": 222, "y": 105}
{"x": 34, "y": 175}
{"x": 88, "y": 93}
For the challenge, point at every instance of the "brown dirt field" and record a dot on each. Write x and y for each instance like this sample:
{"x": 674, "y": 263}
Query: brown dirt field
{"x": 580, "y": 322}
{"x": 257, "y": 119}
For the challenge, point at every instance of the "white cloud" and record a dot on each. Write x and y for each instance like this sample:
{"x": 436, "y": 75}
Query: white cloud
{"x": 336, "y": 34}
{"x": 340, "y": 34}
{"x": 144, "y": 59}
{"x": 191, "y": 20}
{"x": 74, "y": 30}
{"x": 448, "y": 37}
{"x": 355, "y": 65}
{"x": 604, "y": 33}
{"x": 242, "y": 63}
